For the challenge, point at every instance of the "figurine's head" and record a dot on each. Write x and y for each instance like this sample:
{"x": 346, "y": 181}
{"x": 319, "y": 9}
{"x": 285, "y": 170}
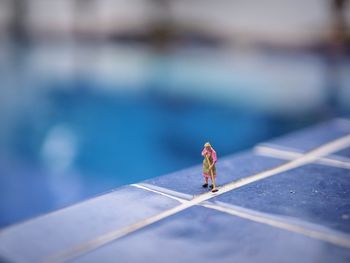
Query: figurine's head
{"x": 207, "y": 146}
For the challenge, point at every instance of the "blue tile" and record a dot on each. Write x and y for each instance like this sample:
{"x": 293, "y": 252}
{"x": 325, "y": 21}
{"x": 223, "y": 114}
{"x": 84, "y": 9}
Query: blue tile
{"x": 343, "y": 155}
{"x": 203, "y": 235}
{"x": 36, "y": 239}
{"x": 229, "y": 169}
{"x": 315, "y": 193}
{"x": 310, "y": 138}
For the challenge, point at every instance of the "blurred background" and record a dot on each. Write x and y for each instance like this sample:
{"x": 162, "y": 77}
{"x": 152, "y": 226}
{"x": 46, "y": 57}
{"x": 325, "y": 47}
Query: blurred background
{"x": 95, "y": 94}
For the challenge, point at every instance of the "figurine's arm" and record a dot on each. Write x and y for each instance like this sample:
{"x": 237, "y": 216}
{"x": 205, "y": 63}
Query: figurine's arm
{"x": 204, "y": 152}
{"x": 213, "y": 155}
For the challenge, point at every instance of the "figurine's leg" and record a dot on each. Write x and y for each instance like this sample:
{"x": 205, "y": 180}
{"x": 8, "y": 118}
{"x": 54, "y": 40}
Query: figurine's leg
{"x": 206, "y": 182}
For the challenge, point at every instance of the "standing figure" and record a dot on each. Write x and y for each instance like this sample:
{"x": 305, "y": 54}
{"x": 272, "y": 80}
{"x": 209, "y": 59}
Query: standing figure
{"x": 209, "y": 169}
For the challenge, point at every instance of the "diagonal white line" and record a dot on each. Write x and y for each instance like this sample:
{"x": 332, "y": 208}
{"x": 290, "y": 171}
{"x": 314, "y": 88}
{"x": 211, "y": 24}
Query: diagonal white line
{"x": 291, "y": 155}
{"x": 159, "y": 192}
{"x": 308, "y": 157}
{"x": 303, "y": 228}
{"x": 183, "y": 196}
{"x": 297, "y": 226}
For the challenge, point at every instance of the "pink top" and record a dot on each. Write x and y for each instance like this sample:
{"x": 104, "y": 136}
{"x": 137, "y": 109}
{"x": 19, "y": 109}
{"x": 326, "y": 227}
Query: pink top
{"x": 212, "y": 153}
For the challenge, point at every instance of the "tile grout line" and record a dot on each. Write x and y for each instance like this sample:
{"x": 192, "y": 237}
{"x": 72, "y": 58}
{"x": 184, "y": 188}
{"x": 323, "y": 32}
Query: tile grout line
{"x": 182, "y": 196}
{"x": 159, "y": 192}
{"x": 331, "y": 236}
{"x": 104, "y": 239}
{"x": 335, "y": 239}
{"x": 292, "y": 155}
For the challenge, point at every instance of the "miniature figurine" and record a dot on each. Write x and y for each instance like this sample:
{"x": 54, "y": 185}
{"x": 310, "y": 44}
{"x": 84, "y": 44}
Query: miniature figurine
{"x": 209, "y": 169}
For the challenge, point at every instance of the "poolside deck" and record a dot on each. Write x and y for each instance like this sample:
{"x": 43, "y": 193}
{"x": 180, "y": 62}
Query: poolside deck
{"x": 286, "y": 200}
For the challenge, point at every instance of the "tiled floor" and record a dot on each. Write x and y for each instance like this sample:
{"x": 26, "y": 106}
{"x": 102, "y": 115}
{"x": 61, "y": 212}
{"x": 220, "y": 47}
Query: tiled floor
{"x": 203, "y": 235}
{"x": 268, "y": 209}
{"x": 314, "y": 193}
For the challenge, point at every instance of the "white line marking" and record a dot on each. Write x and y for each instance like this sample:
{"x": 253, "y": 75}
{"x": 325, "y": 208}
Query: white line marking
{"x": 163, "y": 193}
{"x": 275, "y": 147}
{"x": 290, "y": 155}
{"x": 113, "y": 235}
{"x": 312, "y": 231}
{"x": 308, "y": 157}
{"x": 168, "y": 191}
{"x": 283, "y": 222}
